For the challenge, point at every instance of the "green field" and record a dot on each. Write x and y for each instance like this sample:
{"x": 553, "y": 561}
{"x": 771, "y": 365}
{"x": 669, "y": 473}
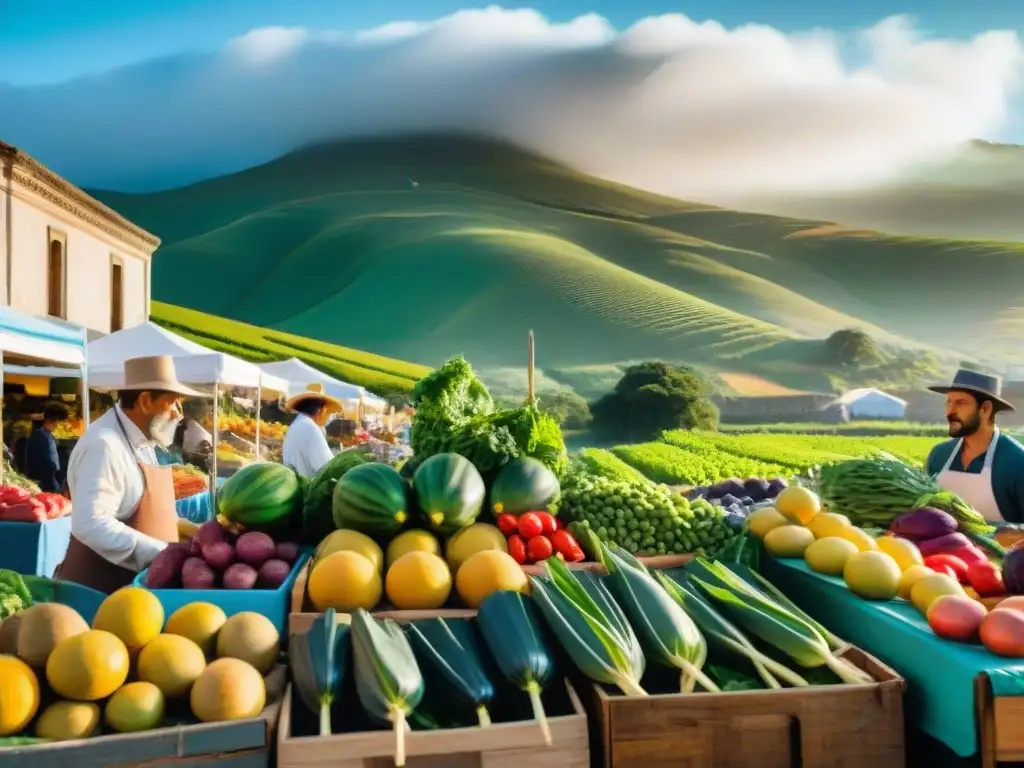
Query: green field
{"x": 698, "y": 458}
{"x": 260, "y": 345}
{"x": 421, "y": 248}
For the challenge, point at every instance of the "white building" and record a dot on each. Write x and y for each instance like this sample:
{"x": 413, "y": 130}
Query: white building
{"x": 65, "y": 255}
{"x": 872, "y": 404}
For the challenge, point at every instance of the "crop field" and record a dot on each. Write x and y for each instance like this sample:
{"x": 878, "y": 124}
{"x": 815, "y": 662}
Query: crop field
{"x": 698, "y": 458}
{"x": 261, "y": 345}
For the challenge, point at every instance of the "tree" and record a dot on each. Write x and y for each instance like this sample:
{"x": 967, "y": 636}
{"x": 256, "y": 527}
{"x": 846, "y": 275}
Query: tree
{"x": 651, "y": 398}
{"x": 851, "y": 347}
{"x": 567, "y": 407}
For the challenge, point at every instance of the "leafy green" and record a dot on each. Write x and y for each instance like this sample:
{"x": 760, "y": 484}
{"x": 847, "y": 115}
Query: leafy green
{"x": 14, "y": 594}
{"x": 455, "y": 413}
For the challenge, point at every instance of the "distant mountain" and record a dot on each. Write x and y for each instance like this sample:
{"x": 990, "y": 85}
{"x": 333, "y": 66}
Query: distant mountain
{"x": 421, "y": 247}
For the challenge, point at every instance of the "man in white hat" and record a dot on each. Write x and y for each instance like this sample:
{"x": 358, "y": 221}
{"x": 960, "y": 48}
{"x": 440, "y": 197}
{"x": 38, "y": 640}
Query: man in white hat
{"x": 979, "y": 463}
{"x": 122, "y": 502}
{"x": 305, "y": 446}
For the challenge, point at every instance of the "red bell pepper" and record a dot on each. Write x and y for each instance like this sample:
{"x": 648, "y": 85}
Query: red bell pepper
{"x": 986, "y": 579}
{"x": 56, "y": 505}
{"x": 567, "y": 546}
{"x": 12, "y": 494}
{"x": 948, "y": 563}
{"x": 28, "y": 511}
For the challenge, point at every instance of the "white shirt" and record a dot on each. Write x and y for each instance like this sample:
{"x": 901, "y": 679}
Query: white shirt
{"x": 195, "y": 435}
{"x": 106, "y": 488}
{"x": 305, "y": 446}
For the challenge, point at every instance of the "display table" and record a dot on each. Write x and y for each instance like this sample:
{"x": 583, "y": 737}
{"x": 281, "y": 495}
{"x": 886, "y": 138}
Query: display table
{"x": 34, "y": 549}
{"x": 960, "y": 695}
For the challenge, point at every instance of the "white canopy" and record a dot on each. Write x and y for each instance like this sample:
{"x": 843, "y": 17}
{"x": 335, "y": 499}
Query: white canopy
{"x": 194, "y": 363}
{"x": 299, "y": 376}
{"x": 31, "y": 337}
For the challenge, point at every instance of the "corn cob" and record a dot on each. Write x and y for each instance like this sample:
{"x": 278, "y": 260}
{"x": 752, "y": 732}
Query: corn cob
{"x": 450, "y": 665}
{"x": 716, "y": 629}
{"x": 600, "y": 642}
{"x": 517, "y": 645}
{"x": 317, "y": 660}
{"x": 388, "y": 680}
{"x": 763, "y": 617}
{"x": 667, "y": 633}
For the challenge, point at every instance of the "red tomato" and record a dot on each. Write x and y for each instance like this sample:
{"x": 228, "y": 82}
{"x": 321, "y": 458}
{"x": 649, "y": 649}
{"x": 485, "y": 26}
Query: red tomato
{"x": 559, "y": 524}
{"x": 564, "y": 542}
{"x": 547, "y": 521}
{"x": 947, "y": 563}
{"x": 986, "y": 579}
{"x": 517, "y": 548}
{"x": 539, "y": 548}
{"x": 508, "y": 524}
{"x": 530, "y": 525}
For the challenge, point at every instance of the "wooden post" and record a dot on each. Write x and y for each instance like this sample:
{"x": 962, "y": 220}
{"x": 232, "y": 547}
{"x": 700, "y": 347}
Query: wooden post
{"x": 529, "y": 374}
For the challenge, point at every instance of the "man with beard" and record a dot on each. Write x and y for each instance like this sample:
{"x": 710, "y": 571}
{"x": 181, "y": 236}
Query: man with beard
{"x": 981, "y": 465}
{"x": 122, "y": 502}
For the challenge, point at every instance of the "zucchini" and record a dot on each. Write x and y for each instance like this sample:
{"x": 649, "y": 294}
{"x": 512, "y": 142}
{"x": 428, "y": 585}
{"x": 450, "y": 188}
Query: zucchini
{"x": 513, "y": 636}
{"x": 388, "y": 680}
{"x": 453, "y": 674}
{"x": 318, "y": 659}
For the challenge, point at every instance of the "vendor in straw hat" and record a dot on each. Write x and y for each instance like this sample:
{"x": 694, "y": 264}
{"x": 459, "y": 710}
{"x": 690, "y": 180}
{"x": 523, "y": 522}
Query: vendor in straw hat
{"x": 305, "y": 446}
{"x": 123, "y": 513}
{"x": 979, "y": 463}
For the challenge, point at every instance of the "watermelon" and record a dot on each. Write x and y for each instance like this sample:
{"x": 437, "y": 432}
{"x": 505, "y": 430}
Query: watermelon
{"x": 371, "y": 499}
{"x": 260, "y": 494}
{"x": 523, "y": 485}
{"x": 450, "y": 491}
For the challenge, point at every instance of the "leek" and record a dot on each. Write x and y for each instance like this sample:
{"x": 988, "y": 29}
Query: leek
{"x": 717, "y": 629}
{"x": 599, "y": 644}
{"x": 667, "y": 632}
{"x": 317, "y": 660}
{"x": 763, "y": 617}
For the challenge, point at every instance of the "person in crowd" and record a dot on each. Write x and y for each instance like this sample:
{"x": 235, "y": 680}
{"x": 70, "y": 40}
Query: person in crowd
{"x": 42, "y": 462}
{"x": 305, "y": 446}
{"x": 123, "y": 512}
{"x": 979, "y": 463}
{"x": 192, "y": 442}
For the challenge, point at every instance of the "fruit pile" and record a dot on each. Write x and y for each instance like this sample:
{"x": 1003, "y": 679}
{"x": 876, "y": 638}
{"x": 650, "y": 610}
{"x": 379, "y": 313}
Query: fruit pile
{"x": 947, "y": 586}
{"x": 18, "y": 505}
{"x": 533, "y": 537}
{"x": 188, "y": 481}
{"x": 217, "y": 557}
{"x": 245, "y": 426}
{"x": 199, "y": 663}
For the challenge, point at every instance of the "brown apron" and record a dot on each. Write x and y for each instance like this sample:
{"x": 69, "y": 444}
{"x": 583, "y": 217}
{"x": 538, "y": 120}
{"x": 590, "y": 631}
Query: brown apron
{"x": 155, "y": 516}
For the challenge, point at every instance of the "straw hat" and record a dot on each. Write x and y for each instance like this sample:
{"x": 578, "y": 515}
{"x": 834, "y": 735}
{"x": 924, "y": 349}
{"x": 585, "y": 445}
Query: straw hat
{"x": 154, "y": 374}
{"x": 315, "y": 392}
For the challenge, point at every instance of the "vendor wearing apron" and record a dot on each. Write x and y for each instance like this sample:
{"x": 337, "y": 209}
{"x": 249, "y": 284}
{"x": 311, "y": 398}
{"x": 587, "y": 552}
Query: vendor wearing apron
{"x": 980, "y": 464}
{"x": 122, "y": 503}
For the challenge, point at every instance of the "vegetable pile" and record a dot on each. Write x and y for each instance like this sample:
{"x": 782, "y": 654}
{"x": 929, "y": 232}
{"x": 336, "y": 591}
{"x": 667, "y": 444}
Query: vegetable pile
{"x": 18, "y": 505}
{"x": 216, "y": 557}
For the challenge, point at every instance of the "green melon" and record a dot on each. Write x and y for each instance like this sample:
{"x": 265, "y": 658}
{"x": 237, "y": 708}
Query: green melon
{"x": 523, "y": 485}
{"x": 371, "y": 498}
{"x": 260, "y": 494}
{"x": 450, "y": 491}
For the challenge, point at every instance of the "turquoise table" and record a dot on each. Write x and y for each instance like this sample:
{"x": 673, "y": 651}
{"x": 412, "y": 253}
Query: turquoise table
{"x": 942, "y": 676}
{"x": 34, "y": 549}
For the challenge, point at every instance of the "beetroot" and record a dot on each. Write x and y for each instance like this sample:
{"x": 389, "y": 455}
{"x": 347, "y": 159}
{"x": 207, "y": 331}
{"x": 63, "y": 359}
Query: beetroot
{"x": 254, "y": 548}
{"x": 274, "y": 573}
{"x": 166, "y": 567}
{"x": 287, "y": 551}
{"x": 197, "y": 574}
{"x": 219, "y": 554}
{"x": 240, "y": 576}
{"x": 212, "y": 531}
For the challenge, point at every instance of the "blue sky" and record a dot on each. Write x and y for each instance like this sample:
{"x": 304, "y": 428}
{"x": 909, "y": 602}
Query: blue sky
{"x": 48, "y": 41}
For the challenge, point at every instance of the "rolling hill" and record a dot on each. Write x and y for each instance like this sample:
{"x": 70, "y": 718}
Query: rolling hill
{"x": 421, "y": 247}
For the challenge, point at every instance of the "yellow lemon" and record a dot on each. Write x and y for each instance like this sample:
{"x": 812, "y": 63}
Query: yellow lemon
{"x": 872, "y": 575}
{"x": 904, "y": 552}
{"x": 910, "y": 577}
{"x": 829, "y": 555}
{"x": 760, "y": 521}
{"x": 825, "y": 524}
{"x": 132, "y": 614}
{"x": 19, "y": 695}
{"x": 418, "y": 580}
{"x": 863, "y": 541}
{"x": 798, "y": 505}
{"x": 788, "y": 541}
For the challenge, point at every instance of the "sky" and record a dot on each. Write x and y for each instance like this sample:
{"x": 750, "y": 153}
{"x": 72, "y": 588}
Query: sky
{"x": 702, "y": 100}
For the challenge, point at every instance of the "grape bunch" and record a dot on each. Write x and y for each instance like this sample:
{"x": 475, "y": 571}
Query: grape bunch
{"x": 644, "y": 518}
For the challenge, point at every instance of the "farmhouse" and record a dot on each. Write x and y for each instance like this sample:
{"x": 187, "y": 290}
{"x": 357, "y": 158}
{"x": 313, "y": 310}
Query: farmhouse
{"x": 65, "y": 255}
{"x": 872, "y": 403}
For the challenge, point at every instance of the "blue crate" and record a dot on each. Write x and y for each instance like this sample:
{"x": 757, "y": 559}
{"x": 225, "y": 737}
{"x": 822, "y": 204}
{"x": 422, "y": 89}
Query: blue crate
{"x": 83, "y": 599}
{"x": 272, "y": 603}
{"x": 195, "y": 508}
{"x": 34, "y": 549}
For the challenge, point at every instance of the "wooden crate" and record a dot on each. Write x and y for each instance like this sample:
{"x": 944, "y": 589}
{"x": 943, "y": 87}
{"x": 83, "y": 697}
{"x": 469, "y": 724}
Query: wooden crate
{"x": 502, "y": 745}
{"x": 999, "y": 718}
{"x": 836, "y": 726}
{"x": 237, "y": 744}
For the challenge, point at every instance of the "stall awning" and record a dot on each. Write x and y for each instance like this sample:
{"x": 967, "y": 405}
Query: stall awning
{"x": 300, "y": 375}
{"x": 34, "y": 338}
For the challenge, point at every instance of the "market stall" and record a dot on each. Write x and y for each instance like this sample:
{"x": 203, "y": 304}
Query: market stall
{"x": 195, "y": 365}
{"x": 35, "y": 528}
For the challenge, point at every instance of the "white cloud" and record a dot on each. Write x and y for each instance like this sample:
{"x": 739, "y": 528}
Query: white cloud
{"x": 686, "y": 108}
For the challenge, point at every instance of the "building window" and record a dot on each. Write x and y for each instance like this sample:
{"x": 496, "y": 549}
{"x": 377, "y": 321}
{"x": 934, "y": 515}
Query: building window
{"x": 56, "y": 275}
{"x": 116, "y": 295}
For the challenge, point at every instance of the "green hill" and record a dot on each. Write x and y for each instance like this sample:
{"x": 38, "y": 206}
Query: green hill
{"x": 422, "y": 247}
